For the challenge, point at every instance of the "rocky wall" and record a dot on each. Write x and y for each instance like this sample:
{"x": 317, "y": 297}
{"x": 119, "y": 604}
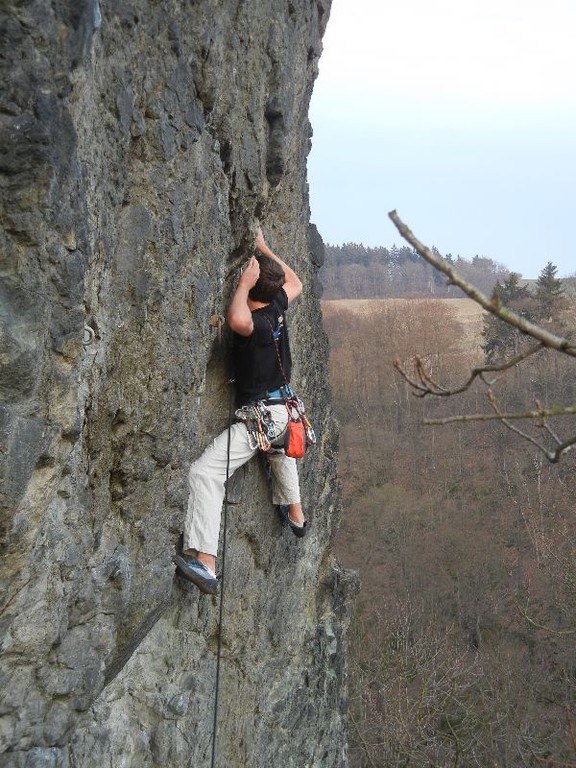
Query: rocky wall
{"x": 139, "y": 143}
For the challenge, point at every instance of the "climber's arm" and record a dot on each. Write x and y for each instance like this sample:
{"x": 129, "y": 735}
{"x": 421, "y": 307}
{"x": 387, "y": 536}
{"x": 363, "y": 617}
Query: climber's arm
{"x": 292, "y": 284}
{"x": 239, "y": 313}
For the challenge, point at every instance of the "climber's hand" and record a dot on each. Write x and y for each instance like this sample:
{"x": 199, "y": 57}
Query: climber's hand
{"x": 250, "y": 273}
{"x": 259, "y": 242}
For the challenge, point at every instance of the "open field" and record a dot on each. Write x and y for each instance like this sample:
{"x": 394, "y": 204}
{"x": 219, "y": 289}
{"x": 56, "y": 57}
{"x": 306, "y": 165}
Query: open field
{"x": 465, "y": 311}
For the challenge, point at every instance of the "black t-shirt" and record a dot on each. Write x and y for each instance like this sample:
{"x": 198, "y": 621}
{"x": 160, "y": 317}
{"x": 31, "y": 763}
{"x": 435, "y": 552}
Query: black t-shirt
{"x": 255, "y": 362}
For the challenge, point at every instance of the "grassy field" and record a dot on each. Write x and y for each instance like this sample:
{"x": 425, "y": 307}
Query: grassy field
{"x": 466, "y": 312}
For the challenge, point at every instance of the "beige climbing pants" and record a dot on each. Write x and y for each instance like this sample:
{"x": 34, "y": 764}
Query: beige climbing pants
{"x": 207, "y": 478}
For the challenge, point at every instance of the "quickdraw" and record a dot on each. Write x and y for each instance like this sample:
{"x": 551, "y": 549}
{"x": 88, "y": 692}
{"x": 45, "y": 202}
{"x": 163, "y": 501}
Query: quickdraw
{"x": 297, "y": 412}
{"x": 259, "y": 425}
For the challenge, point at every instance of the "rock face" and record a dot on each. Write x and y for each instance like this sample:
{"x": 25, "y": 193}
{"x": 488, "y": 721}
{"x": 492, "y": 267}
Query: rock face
{"x": 140, "y": 141}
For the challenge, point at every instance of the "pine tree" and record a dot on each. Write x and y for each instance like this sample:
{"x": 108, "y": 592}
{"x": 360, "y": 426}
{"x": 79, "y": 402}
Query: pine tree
{"x": 549, "y": 294}
{"x": 501, "y": 339}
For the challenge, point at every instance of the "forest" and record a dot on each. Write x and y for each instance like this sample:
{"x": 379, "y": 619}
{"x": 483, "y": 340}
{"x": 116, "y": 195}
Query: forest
{"x": 463, "y": 645}
{"x": 355, "y": 271}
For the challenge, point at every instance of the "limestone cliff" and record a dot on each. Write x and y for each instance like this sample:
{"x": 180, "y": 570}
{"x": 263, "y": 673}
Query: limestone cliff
{"x": 140, "y": 140}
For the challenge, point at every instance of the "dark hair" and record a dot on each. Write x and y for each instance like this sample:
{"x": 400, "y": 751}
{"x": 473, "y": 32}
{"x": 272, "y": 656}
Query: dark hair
{"x": 269, "y": 282}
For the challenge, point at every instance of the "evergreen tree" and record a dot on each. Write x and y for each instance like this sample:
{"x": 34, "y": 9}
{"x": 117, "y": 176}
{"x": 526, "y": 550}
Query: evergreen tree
{"x": 549, "y": 294}
{"x": 501, "y": 339}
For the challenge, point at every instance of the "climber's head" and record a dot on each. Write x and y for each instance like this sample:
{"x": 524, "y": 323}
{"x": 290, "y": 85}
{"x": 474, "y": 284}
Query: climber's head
{"x": 269, "y": 282}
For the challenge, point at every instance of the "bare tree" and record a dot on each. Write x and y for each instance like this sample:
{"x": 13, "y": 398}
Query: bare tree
{"x": 422, "y": 382}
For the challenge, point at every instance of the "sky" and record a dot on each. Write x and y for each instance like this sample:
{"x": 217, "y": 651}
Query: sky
{"x": 458, "y": 114}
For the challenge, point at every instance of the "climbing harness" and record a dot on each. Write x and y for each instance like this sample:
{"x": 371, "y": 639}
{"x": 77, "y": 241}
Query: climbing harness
{"x": 261, "y": 429}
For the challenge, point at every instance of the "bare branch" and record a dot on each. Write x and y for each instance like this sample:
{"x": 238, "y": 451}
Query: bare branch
{"x": 363, "y": 742}
{"x": 536, "y": 414}
{"x": 493, "y": 306}
{"x": 524, "y": 613}
{"x": 552, "y": 456}
{"x": 570, "y": 726}
{"x": 565, "y": 446}
{"x": 422, "y": 389}
{"x": 423, "y": 384}
{"x": 524, "y": 435}
{"x": 550, "y": 762}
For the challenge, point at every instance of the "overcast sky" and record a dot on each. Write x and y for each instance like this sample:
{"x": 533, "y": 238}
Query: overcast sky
{"x": 461, "y": 115}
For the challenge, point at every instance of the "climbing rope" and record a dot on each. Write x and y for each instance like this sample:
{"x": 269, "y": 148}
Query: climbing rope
{"x": 222, "y": 581}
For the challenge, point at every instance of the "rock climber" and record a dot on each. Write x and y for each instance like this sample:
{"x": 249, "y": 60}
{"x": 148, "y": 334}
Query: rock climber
{"x": 262, "y": 364}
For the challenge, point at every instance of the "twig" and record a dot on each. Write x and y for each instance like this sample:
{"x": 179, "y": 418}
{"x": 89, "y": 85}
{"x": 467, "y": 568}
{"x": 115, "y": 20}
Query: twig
{"x": 570, "y": 726}
{"x": 552, "y": 456}
{"x": 422, "y": 389}
{"x": 545, "y": 413}
{"x": 524, "y": 613}
{"x": 565, "y": 446}
{"x": 363, "y": 742}
{"x": 550, "y": 761}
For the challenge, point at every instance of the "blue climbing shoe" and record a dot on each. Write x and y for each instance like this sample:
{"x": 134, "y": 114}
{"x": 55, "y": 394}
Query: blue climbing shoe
{"x": 197, "y": 573}
{"x": 297, "y": 530}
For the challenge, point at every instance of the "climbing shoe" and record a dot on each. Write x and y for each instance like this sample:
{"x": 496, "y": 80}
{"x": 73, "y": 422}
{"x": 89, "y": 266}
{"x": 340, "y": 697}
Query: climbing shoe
{"x": 197, "y": 573}
{"x": 297, "y": 530}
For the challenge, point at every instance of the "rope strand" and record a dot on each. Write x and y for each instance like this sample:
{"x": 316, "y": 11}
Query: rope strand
{"x": 222, "y": 582}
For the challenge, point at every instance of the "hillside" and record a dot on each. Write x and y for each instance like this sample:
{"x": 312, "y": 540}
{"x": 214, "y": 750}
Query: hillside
{"x": 465, "y": 540}
{"x": 353, "y": 271}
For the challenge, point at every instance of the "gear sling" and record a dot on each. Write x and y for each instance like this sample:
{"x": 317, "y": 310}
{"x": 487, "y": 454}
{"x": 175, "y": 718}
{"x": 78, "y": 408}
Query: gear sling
{"x": 299, "y": 433}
